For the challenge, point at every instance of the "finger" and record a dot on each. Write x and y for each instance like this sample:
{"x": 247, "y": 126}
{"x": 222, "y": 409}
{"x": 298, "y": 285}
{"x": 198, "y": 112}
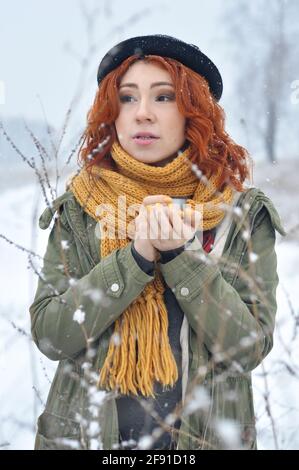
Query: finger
{"x": 193, "y": 218}
{"x": 175, "y": 221}
{"x": 173, "y": 208}
{"x": 154, "y": 227}
{"x": 161, "y": 226}
{"x": 142, "y": 223}
{"x": 175, "y": 216}
{"x": 131, "y": 230}
{"x": 190, "y": 215}
{"x": 184, "y": 230}
{"x": 162, "y": 198}
{"x": 187, "y": 216}
{"x": 165, "y": 227}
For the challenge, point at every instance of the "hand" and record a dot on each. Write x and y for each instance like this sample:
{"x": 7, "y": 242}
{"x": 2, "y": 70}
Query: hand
{"x": 139, "y": 229}
{"x": 170, "y": 227}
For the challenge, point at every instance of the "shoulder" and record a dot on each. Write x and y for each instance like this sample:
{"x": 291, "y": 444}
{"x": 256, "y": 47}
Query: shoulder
{"x": 57, "y": 206}
{"x": 260, "y": 207}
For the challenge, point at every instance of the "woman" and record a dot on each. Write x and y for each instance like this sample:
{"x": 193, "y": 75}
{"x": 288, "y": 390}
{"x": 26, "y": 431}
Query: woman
{"x": 156, "y": 312}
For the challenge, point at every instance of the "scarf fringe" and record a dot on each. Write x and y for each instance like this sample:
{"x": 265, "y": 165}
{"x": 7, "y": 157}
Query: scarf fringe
{"x": 145, "y": 341}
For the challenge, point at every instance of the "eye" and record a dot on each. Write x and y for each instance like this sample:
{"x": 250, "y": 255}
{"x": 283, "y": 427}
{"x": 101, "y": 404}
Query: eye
{"x": 169, "y": 97}
{"x": 126, "y": 98}
{"x": 123, "y": 98}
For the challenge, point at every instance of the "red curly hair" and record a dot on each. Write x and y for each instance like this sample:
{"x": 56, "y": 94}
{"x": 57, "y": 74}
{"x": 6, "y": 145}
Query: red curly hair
{"x": 211, "y": 146}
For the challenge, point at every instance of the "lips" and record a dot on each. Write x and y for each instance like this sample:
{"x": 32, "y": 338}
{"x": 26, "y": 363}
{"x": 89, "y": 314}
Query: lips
{"x": 145, "y": 135}
{"x": 145, "y": 138}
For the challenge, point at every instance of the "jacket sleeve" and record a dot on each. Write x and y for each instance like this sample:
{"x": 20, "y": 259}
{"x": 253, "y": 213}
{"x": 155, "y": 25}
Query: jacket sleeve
{"x": 67, "y": 312}
{"x": 235, "y": 321}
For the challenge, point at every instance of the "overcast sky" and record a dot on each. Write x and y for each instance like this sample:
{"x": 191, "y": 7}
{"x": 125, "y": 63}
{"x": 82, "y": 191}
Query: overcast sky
{"x": 36, "y": 67}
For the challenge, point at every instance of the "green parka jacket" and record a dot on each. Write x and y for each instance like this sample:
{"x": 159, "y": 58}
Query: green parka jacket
{"x": 229, "y": 306}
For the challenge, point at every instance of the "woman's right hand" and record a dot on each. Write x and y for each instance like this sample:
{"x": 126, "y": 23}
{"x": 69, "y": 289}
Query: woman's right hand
{"x": 142, "y": 242}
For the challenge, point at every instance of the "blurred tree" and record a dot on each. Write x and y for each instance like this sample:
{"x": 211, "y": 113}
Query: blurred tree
{"x": 264, "y": 38}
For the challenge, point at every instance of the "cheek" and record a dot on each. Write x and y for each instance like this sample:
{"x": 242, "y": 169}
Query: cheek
{"x": 182, "y": 125}
{"x": 176, "y": 124}
{"x": 176, "y": 119}
{"x": 120, "y": 123}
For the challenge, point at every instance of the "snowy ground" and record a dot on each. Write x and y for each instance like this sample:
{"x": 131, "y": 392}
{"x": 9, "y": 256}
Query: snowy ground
{"x": 26, "y": 374}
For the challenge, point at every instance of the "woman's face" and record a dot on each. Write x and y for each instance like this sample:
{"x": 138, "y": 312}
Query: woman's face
{"x": 147, "y": 106}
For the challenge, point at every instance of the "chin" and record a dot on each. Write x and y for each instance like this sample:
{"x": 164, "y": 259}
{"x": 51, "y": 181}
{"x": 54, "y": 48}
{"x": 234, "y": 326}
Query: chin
{"x": 161, "y": 162}
{"x": 145, "y": 157}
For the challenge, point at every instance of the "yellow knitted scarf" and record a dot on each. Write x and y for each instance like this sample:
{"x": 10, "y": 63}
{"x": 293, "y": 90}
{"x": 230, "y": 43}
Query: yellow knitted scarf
{"x": 139, "y": 351}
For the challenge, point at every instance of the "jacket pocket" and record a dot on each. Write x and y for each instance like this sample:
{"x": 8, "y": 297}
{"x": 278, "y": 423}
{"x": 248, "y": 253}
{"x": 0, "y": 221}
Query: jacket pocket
{"x": 57, "y": 433}
{"x": 233, "y": 399}
{"x": 229, "y": 423}
{"x": 232, "y": 436}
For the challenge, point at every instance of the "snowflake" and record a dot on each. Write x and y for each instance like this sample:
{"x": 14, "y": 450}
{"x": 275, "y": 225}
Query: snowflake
{"x": 64, "y": 244}
{"x": 93, "y": 429}
{"x": 145, "y": 442}
{"x": 228, "y": 430}
{"x": 253, "y": 257}
{"x": 79, "y": 316}
{"x": 245, "y": 235}
{"x": 237, "y": 211}
{"x": 199, "y": 400}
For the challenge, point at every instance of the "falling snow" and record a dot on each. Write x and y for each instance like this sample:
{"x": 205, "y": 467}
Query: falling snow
{"x": 79, "y": 316}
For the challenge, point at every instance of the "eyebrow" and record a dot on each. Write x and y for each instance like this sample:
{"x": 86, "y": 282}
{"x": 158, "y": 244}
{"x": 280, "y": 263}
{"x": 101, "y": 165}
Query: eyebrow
{"x": 133, "y": 85}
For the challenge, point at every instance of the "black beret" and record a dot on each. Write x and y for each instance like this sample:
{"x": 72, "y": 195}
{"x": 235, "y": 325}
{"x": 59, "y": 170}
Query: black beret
{"x": 165, "y": 46}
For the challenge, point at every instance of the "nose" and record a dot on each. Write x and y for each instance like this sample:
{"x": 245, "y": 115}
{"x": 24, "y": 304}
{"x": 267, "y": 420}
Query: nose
{"x": 144, "y": 111}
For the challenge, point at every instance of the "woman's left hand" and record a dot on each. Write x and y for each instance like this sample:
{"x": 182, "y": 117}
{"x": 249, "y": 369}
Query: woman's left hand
{"x": 171, "y": 227}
